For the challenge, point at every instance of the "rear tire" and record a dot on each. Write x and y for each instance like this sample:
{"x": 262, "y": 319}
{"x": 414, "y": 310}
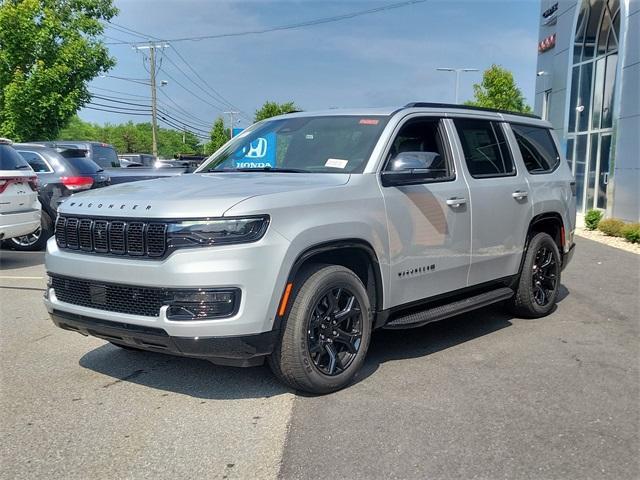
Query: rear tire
{"x": 325, "y": 336}
{"x": 537, "y": 289}
{"x": 35, "y": 241}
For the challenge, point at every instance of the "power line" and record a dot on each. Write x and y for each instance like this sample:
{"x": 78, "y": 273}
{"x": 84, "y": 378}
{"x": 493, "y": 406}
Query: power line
{"x": 197, "y": 74}
{"x": 308, "y": 23}
{"x": 192, "y": 81}
{"x": 120, "y": 93}
{"x": 183, "y": 111}
{"x": 120, "y": 108}
{"x": 218, "y": 97}
{"x": 217, "y": 107}
{"x": 184, "y": 124}
{"x": 114, "y": 111}
{"x": 126, "y": 101}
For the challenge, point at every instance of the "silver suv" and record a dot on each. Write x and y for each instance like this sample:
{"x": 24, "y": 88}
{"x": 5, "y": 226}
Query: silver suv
{"x": 307, "y": 231}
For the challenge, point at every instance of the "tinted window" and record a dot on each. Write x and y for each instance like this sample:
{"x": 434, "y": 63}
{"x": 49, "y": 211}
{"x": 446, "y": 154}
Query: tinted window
{"x": 105, "y": 156}
{"x": 11, "y": 160}
{"x": 537, "y": 148}
{"x": 79, "y": 162}
{"x": 485, "y": 148}
{"x": 36, "y": 161}
{"x": 422, "y": 135}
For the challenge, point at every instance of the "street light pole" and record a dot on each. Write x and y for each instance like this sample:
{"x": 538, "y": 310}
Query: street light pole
{"x": 457, "y": 72}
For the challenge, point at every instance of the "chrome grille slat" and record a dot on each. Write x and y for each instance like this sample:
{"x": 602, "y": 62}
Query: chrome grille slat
{"x": 112, "y": 236}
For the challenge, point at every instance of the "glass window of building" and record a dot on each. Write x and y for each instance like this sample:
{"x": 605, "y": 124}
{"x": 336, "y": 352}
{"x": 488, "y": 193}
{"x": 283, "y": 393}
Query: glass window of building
{"x": 593, "y": 83}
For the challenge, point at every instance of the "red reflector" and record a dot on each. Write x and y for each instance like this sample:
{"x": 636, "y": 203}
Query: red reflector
{"x": 369, "y": 121}
{"x": 77, "y": 183}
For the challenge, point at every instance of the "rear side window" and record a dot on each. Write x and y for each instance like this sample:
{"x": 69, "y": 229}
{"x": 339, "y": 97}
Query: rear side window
{"x": 105, "y": 156}
{"x": 537, "y": 148}
{"x": 11, "y": 160}
{"x": 485, "y": 148}
{"x": 36, "y": 161}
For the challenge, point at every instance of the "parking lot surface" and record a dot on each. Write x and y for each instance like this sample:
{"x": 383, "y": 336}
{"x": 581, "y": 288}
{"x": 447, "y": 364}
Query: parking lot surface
{"x": 483, "y": 395}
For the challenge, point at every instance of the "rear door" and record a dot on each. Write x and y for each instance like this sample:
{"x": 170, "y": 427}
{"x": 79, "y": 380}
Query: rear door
{"x": 429, "y": 224}
{"x": 499, "y": 194}
{"x": 16, "y": 193}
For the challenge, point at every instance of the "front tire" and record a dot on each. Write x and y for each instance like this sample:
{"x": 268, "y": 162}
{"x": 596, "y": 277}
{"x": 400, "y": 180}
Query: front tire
{"x": 537, "y": 289}
{"x": 326, "y": 334}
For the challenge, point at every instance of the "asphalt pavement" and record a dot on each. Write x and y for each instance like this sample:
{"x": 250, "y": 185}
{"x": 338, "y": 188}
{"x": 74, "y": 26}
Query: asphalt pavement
{"x": 483, "y": 395}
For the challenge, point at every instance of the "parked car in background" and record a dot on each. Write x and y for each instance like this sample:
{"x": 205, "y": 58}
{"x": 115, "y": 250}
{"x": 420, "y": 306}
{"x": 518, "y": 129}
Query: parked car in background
{"x": 137, "y": 160}
{"x": 19, "y": 206}
{"x": 61, "y": 172}
{"x": 106, "y": 156}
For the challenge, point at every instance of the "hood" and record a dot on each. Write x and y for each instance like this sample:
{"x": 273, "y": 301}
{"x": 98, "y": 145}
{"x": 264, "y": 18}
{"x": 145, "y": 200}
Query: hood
{"x": 194, "y": 195}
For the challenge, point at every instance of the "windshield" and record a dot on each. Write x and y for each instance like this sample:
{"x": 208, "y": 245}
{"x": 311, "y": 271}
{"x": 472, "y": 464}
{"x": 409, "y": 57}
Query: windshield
{"x": 330, "y": 144}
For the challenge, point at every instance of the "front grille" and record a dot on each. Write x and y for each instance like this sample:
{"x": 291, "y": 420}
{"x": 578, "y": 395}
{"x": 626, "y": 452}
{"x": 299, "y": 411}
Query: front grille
{"x": 109, "y": 236}
{"x": 114, "y": 298}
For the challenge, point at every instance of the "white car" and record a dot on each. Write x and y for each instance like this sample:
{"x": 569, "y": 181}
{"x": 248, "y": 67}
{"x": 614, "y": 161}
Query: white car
{"x": 19, "y": 205}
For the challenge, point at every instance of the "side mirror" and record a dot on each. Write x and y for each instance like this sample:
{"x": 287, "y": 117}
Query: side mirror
{"x": 413, "y": 168}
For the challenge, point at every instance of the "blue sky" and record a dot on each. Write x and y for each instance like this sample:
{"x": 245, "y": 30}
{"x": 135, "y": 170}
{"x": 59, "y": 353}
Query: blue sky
{"x": 382, "y": 59}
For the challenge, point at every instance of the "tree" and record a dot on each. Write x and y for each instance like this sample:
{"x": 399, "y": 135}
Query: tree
{"x": 49, "y": 50}
{"x": 272, "y": 109}
{"x": 498, "y": 89}
{"x": 132, "y": 137}
{"x": 219, "y": 136}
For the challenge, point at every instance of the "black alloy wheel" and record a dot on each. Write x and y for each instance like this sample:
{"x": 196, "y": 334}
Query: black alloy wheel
{"x": 545, "y": 276}
{"x": 335, "y": 331}
{"x": 537, "y": 288}
{"x": 325, "y": 333}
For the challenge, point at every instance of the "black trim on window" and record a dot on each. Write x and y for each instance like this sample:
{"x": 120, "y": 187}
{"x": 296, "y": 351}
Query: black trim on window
{"x": 497, "y": 127}
{"x": 558, "y": 160}
{"x": 441, "y": 136}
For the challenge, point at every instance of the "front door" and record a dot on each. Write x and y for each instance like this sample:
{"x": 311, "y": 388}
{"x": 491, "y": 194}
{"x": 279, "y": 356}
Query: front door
{"x": 500, "y": 204}
{"x": 429, "y": 224}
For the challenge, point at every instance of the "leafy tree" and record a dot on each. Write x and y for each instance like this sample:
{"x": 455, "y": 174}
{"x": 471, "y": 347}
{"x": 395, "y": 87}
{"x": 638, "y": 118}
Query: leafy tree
{"x": 49, "y": 50}
{"x": 272, "y": 109}
{"x": 219, "y": 136}
{"x": 498, "y": 89}
{"x": 132, "y": 137}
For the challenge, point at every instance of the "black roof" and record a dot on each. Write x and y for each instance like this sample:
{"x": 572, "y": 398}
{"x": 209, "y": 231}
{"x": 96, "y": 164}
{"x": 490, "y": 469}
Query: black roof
{"x": 467, "y": 107}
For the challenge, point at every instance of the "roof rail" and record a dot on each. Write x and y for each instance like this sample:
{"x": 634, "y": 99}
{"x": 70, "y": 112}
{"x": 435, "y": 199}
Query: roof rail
{"x": 467, "y": 107}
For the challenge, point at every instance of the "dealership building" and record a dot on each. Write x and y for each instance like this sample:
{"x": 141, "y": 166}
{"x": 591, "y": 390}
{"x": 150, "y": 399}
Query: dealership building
{"x": 588, "y": 87}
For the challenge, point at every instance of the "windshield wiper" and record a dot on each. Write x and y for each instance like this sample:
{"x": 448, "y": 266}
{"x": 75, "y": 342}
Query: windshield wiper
{"x": 261, "y": 169}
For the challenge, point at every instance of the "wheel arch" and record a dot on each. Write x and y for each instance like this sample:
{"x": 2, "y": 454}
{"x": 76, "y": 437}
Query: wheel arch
{"x": 550, "y": 223}
{"x": 353, "y": 253}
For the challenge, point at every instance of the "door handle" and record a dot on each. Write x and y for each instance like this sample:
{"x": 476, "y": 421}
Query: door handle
{"x": 519, "y": 195}
{"x": 456, "y": 202}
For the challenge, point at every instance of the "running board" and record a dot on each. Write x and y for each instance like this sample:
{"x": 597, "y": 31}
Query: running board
{"x": 417, "y": 319}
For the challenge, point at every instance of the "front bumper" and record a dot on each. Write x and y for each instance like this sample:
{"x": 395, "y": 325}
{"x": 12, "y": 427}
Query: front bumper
{"x": 241, "y": 351}
{"x": 258, "y": 270}
{"x": 18, "y": 224}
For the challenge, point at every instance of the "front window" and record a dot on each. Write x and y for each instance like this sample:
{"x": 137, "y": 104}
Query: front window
{"x": 326, "y": 144}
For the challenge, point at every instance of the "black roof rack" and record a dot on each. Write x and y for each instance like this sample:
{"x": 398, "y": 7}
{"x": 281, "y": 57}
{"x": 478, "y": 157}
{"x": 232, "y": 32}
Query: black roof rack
{"x": 467, "y": 107}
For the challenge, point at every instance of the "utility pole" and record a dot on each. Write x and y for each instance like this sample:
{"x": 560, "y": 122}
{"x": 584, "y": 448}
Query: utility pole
{"x": 457, "y": 70}
{"x": 152, "y": 46}
{"x": 231, "y": 116}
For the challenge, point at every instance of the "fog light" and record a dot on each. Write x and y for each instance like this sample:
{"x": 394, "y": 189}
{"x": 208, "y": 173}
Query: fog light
{"x": 202, "y": 304}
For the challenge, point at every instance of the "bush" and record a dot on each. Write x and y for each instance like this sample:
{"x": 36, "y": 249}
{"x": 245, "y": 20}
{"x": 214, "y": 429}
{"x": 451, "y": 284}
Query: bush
{"x": 611, "y": 227}
{"x": 631, "y": 232}
{"x": 592, "y": 219}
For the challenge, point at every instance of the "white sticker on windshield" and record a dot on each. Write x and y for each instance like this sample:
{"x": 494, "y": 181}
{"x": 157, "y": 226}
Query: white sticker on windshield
{"x": 336, "y": 163}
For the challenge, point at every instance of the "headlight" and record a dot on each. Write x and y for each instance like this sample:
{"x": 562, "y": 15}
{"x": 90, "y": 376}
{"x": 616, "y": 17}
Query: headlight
{"x": 219, "y": 231}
